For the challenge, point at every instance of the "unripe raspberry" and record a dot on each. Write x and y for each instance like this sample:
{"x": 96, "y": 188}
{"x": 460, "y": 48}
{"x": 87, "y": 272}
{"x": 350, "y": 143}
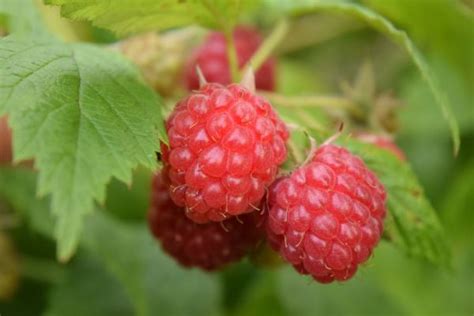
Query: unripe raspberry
{"x": 213, "y": 61}
{"x": 207, "y": 246}
{"x": 160, "y": 57}
{"x": 382, "y": 141}
{"x": 5, "y": 141}
{"x": 225, "y": 148}
{"x": 327, "y": 216}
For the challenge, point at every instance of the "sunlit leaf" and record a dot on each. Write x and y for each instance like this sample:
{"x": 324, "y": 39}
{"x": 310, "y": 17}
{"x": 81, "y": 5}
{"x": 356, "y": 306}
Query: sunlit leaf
{"x": 132, "y": 16}
{"x": 85, "y": 116}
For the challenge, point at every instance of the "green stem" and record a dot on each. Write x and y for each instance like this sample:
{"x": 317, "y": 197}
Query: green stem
{"x": 228, "y": 29}
{"x": 232, "y": 54}
{"x": 327, "y": 102}
{"x": 269, "y": 45}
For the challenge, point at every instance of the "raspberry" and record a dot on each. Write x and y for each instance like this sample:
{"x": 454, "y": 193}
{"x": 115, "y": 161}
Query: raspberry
{"x": 327, "y": 216}
{"x": 5, "y": 141}
{"x": 160, "y": 57}
{"x": 382, "y": 141}
{"x": 225, "y": 148}
{"x": 212, "y": 59}
{"x": 208, "y": 246}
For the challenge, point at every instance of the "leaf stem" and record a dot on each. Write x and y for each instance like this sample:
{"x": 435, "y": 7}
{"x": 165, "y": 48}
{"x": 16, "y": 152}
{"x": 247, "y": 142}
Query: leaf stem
{"x": 268, "y": 46}
{"x": 232, "y": 54}
{"x": 328, "y": 102}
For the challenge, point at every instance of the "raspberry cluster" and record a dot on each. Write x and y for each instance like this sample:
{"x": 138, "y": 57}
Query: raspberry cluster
{"x": 213, "y": 61}
{"x": 218, "y": 195}
{"x": 225, "y": 147}
{"x": 327, "y": 216}
{"x": 208, "y": 246}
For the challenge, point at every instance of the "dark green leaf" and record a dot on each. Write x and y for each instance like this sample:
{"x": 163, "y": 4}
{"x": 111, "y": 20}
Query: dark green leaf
{"x": 262, "y": 298}
{"x": 88, "y": 290}
{"x": 18, "y": 187}
{"x": 130, "y": 202}
{"x": 154, "y": 282}
{"x": 303, "y": 296}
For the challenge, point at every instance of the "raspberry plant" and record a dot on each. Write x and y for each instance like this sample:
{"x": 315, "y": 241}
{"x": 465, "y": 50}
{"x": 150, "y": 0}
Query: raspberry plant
{"x": 148, "y": 138}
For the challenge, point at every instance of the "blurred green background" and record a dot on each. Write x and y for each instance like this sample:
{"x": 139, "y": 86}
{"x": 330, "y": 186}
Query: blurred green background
{"x": 104, "y": 278}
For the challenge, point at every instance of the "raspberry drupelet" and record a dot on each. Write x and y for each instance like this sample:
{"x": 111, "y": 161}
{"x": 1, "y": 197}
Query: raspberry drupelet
{"x": 207, "y": 246}
{"x": 212, "y": 58}
{"x": 225, "y": 147}
{"x": 327, "y": 216}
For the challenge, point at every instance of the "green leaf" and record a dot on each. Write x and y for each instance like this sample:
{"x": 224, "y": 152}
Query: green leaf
{"x": 130, "y": 203}
{"x": 155, "y": 283}
{"x": 457, "y": 205}
{"x": 85, "y": 115}
{"x": 386, "y": 27}
{"x": 412, "y": 224}
{"x": 415, "y": 92}
{"x": 360, "y": 296}
{"x": 388, "y": 285}
{"x": 133, "y": 16}
{"x": 23, "y": 18}
{"x": 18, "y": 186}
{"x": 262, "y": 298}
{"x": 443, "y": 26}
{"x": 88, "y": 289}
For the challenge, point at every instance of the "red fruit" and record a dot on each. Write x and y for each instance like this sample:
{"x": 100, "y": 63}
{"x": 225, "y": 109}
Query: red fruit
{"x": 382, "y": 141}
{"x": 5, "y": 141}
{"x": 212, "y": 59}
{"x": 327, "y": 217}
{"x": 225, "y": 148}
{"x": 208, "y": 246}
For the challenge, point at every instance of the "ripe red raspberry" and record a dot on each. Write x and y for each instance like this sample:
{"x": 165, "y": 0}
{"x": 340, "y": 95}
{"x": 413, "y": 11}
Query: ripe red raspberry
{"x": 382, "y": 141}
{"x": 212, "y": 59}
{"x": 327, "y": 216}
{"x": 208, "y": 246}
{"x": 225, "y": 148}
